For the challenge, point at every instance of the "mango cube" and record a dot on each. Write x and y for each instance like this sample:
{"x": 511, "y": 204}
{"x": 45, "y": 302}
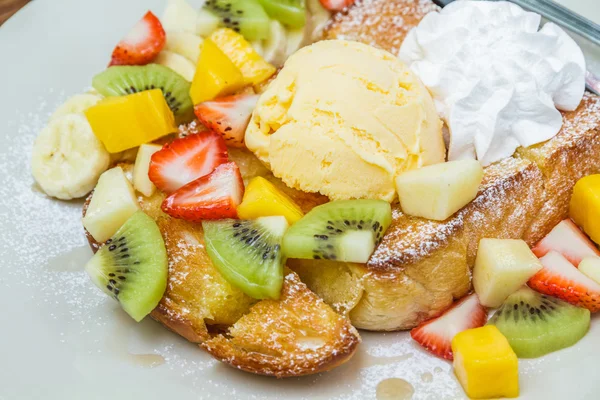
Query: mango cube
{"x": 438, "y": 191}
{"x": 125, "y": 122}
{"x": 216, "y": 75}
{"x": 254, "y": 68}
{"x": 502, "y": 266}
{"x": 263, "y": 199}
{"x": 584, "y": 208}
{"x": 485, "y": 364}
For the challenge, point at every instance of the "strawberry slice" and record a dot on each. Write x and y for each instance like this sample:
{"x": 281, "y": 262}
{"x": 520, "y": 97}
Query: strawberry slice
{"x": 142, "y": 44}
{"x": 214, "y": 196}
{"x": 436, "y": 334}
{"x": 185, "y": 160}
{"x": 337, "y": 5}
{"x": 559, "y": 278}
{"x": 567, "y": 239}
{"x": 228, "y": 116}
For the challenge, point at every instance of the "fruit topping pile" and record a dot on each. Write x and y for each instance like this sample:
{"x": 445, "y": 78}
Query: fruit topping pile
{"x": 208, "y": 64}
{"x": 543, "y": 298}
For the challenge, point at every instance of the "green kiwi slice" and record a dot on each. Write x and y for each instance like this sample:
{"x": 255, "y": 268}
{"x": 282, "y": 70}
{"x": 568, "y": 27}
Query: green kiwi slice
{"x": 346, "y": 230}
{"x": 248, "y": 253}
{"x": 127, "y": 79}
{"x": 289, "y": 12}
{"x": 132, "y": 266}
{"x": 536, "y": 324}
{"x": 244, "y": 16}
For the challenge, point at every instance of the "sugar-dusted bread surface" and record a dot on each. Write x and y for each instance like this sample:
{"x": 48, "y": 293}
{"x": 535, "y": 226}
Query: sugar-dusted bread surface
{"x": 379, "y": 23}
{"x": 297, "y": 335}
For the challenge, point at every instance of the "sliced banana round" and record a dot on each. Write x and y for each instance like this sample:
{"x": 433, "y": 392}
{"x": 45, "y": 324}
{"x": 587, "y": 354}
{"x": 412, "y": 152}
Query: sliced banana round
{"x": 275, "y": 47}
{"x": 67, "y": 158}
{"x": 295, "y": 40}
{"x": 76, "y": 104}
{"x": 318, "y": 18}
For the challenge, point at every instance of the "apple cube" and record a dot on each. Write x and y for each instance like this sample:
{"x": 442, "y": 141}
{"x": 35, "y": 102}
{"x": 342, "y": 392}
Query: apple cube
{"x": 141, "y": 181}
{"x": 438, "y": 191}
{"x": 113, "y": 202}
{"x": 567, "y": 239}
{"x": 502, "y": 266}
{"x": 591, "y": 268}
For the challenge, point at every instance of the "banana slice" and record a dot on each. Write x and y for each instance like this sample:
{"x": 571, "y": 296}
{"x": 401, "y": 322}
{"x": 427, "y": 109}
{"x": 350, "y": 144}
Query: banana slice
{"x": 318, "y": 18}
{"x": 67, "y": 158}
{"x": 275, "y": 47}
{"x": 295, "y": 40}
{"x": 177, "y": 63}
{"x": 179, "y": 15}
{"x": 76, "y": 104}
{"x": 184, "y": 44}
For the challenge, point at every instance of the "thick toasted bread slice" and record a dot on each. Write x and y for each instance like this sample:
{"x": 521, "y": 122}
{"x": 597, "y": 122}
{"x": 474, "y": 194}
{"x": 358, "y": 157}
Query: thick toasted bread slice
{"x": 571, "y": 155}
{"x": 421, "y": 265}
{"x": 294, "y": 336}
{"x": 380, "y": 23}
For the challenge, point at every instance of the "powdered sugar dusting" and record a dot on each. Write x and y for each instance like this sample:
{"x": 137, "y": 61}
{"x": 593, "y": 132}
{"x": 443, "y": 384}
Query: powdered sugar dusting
{"x": 379, "y": 23}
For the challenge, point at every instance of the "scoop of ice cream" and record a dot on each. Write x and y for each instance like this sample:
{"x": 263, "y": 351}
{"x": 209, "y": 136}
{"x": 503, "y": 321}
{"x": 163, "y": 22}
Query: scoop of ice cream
{"x": 343, "y": 119}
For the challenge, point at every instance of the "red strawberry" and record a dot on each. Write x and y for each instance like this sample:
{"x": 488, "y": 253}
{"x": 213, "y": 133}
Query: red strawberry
{"x": 214, "y": 196}
{"x": 186, "y": 159}
{"x": 567, "y": 239}
{"x": 436, "y": 334}
{"x": 559, "y": 278}
{"x": 142, "y": 44}
{"x": 228, "y": 116}
{"x": 336, "y": 5}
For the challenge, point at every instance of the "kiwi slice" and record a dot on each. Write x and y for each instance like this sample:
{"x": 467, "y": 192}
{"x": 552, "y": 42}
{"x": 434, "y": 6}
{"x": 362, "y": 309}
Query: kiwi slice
{"x": 248, "y": 253}
{"x": 346, "y": 230}
{"x": 132, "y": 266}
{"x": 124, "y": 80}
{"x": 289, "y": 12}
{"x": 243, "y": 16}
{"x": 536, "y": 324}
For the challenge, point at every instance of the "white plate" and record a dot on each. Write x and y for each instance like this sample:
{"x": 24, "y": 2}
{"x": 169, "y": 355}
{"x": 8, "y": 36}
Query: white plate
{"x": 62, "y": 339}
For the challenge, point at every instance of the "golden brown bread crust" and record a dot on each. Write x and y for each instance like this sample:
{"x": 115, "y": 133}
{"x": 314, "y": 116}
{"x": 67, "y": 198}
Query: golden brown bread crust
{"x": 379, "y": 23}
{"x": 417, "y": 271}
{"x": 294, "y": 336}
{"x": 573, "y": 154}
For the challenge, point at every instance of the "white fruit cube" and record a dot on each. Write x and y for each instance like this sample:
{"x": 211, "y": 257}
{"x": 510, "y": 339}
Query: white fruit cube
{"x": 502, "y": 266}
{"x": 179, "y": 15}
{"x": 141, "y": 182}
{"x": 186, "y": 44}
{"x": 113, "y": 202}
{"x": 591, "y": 268}
{"x": 438, "y": 191}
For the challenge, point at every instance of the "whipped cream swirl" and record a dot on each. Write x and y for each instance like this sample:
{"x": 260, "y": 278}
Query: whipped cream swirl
{"x": 497, "y": 81}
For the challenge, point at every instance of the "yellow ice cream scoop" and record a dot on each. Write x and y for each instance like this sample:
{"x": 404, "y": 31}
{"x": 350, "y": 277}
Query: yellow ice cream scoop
{"x": 343, "y": 118}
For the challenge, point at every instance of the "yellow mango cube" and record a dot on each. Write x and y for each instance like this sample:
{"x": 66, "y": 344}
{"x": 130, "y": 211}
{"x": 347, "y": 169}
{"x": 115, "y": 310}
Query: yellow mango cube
{"x": 584, "y": 208}
{"x": 263, "y": 199}
{"x": 254, "y": 68}
{"x": 125, "y": 122}
{"x": 485, "y": 364}
{"x": 216, "y": 75}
